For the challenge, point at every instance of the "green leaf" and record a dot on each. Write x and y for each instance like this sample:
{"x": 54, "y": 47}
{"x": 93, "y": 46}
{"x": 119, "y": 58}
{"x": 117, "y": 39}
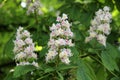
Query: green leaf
{"x": 47, "y": 68}
{"x": 77, "y": 35}
{"x": 113, "y": 51}
{"x": 101, "y": 1}
{"x": 22, "y": 70}
{"x": 85, "y": 1}
{"x": 64, "y": 67}
{"x": 101, "y": 73}
{"x": 8, "y": 49}
{"x": 50, "y": 69}
{"x": 10, "y": 76}
{"x": 60, "y": 75}
{"x": 117, "y": 2}
{"x": 109, "y": 57}
{"x": 75, "y": 56}
{"x": 108, "y": 61}
{"x": 114, "y": 78}
{"x": 110, "y": 4}
{"x": 84, "y": 72}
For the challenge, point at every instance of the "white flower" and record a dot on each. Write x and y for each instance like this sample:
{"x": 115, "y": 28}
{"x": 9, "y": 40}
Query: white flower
{"x": 65, "y": 52}
{"x": 19, "y": 29}
{"x": 25, "y": 33}
{"x": 17, "y": 49}
{"x": 64, "y": 17}
{"x": 99, "y": 12}
{"x": 60, "y": 42}
{"x": 51, "y": 55}
{"x": 20, "y": 56}
{"x": 93, "y": 34}
{"x": 106, "y": 8}
{"x": 35, "y": 64}
{"x": 66, "y": 24}
{"x": 101, "y": 39}
{"x": 12, "y": 70}
{"x": 58, "y": 25}
{"x": 53, "y": 27}
{"x": 100, "y": 26}
{"x": 60, "y": 32}
{"x": 69, "y": 42}
{"x": 31, "y": 55}
{"x": 60, "y": 38}
{"x": 28, "y": 41}
{"x": 23, "y": 63}
{"x": 68, "y": 33}
{"x": 59, "y": 19}
{"x": 65, "y": 60}
{"x": 19, "y": 43}
{"x": 105, "y": 28}
{"x": 24, "y": 47}
{"x": 29, "y": 49}
{"x": 34, "y": 7}
{"x": 64, "y": 55}
{"x": 51, "y": 42}
{"x": 87, "y": 39}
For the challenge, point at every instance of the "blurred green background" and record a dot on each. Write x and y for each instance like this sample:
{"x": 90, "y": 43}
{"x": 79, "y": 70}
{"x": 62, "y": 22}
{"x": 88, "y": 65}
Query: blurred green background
{"x": 80, "y": 12}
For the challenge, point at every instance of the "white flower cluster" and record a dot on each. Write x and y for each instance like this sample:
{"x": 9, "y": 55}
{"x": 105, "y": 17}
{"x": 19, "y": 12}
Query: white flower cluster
{"x": 60, "y": 40}
{"x": 24, "y": 48}
{"x": 34, "y": 6}
{"x": 100, "y": 26}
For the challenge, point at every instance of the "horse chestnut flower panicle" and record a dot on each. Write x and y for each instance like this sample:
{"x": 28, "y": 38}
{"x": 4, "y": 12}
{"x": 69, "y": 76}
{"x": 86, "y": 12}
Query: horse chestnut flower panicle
{"x": 34, "y": 7}
{"x": 60, "y": 39}
{"x": 24, "y": 48}
{"x": 100, "y": 26}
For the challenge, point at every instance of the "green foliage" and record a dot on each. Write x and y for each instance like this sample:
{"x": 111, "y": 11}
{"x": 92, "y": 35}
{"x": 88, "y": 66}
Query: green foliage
{"x": 10, "y": 76}
{"x": 8, "y": 49}
{"x": 117, "y": 4}
{"x": 85, "y": 72}
{"x": 102, "y": 71}
{"x": 109, "y": 62}
{"x": 22, "y": 70}
{"x": 109, "y": 58}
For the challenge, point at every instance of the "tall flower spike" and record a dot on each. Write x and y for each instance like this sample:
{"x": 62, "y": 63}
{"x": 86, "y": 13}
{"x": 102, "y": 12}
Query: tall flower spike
{"x": 100, "y": 26}
{"x": 60, "y": 40}
{"x": 34, "y": 6}
{"x": 24, "y": 48}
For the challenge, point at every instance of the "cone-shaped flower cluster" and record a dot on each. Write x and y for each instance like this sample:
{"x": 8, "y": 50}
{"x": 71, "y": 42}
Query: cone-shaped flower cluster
{"x": 60, "y": 40}
{"x": 24, "y": 48}
{"x": 100, "y": 26}
{"x": 33, "y": 6}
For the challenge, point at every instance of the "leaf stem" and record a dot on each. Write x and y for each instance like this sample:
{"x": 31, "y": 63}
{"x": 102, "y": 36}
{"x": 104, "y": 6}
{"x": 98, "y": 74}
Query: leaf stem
{"x": 104, "y": 66}
{"x": 43, "y": 77}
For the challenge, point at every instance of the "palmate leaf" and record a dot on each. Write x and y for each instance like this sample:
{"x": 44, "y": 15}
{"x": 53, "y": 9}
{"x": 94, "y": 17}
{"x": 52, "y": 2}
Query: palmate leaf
{"x": 10, "y": 77}
{"x": 8, "y": 49}
{"x": 22, "y": 70}
{"x": 85, "y": 72}
{"x": 101, "y": 73}
{"x": 114, "y": 78}
{"x": 108, "y": 61}
{"x": 109, "y": 57}
{"x": 113, "y": 51}
{"x": 75, "y": 56}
